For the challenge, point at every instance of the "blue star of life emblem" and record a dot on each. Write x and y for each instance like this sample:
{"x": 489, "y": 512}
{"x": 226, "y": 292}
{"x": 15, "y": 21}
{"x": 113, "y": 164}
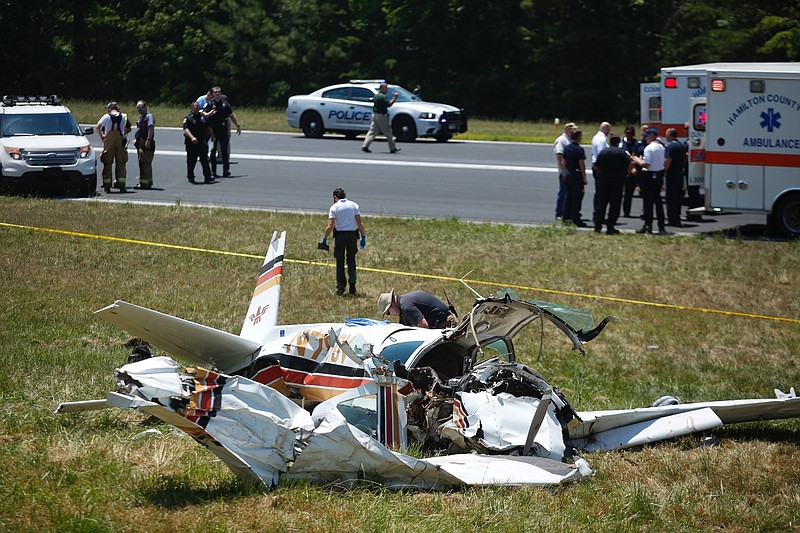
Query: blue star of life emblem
{"x": 770, "y": 119}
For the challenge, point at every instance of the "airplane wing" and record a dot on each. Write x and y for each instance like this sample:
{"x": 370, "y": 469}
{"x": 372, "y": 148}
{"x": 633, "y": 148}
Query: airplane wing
{"x": 188, "y": 341}
{"x": 610, "y": 430}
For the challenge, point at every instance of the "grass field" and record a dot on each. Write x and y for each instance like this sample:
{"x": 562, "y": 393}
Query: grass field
{"x": 274, "y": 119}
{"x": 685, "y": 326}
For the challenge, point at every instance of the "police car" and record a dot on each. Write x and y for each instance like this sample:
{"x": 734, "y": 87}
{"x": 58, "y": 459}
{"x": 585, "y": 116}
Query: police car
{"x": 43, "y": 148}
{"x": 347, "y": 108}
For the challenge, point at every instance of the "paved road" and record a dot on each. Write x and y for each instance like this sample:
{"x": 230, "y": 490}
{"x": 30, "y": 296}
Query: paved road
{"x": 478, "y": 181}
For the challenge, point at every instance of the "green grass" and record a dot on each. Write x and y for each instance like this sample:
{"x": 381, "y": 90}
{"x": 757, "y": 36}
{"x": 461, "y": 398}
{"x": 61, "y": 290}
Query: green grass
{"x": 88, "y": 472}
{"x": 274, "y": 119}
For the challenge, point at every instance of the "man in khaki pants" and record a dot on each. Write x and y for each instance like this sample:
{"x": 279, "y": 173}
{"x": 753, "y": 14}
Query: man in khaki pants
{"x": 380, "y": 120}
{"x": 112, "y": 129}
{"x": 145, "y": 145}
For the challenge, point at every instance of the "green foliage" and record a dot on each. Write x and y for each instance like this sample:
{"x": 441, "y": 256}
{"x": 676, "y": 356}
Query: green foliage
{"x": 534, "y": 59}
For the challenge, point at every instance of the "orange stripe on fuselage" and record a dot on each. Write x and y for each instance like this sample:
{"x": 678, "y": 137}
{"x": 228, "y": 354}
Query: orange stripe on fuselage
{"x": 741, "y": 158}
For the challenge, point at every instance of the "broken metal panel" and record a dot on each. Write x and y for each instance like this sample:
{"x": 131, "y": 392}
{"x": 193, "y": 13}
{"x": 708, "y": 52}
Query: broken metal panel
{"x": 500, "y": 424}
{"x": 485, "y": 470}
{"x": 251, "y": 427}
{"x": 338, "y": 451}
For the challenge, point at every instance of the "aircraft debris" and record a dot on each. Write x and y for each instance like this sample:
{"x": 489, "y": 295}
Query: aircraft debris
{"x": 337, "y": 402}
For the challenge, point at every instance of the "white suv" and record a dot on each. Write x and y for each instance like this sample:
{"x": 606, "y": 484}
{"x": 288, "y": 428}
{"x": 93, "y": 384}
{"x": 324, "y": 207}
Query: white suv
{"x": 43, "y": 148}
{"x": 347, "y": 108}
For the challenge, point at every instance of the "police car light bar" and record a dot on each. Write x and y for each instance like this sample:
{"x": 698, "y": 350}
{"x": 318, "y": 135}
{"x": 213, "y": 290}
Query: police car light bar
{"x": 367, "y": 81}
{"x": 670, "y": 83}
{"x": 11, "y": 100}
{"x": 718, "y": 85}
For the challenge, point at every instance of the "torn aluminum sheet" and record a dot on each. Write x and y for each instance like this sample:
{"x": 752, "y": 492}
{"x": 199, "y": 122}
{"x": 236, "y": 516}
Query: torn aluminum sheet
{"x": 372, "y": 386}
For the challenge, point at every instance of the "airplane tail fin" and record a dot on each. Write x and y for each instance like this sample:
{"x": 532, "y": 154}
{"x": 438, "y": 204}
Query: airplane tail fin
{"x": 262, "y": 315}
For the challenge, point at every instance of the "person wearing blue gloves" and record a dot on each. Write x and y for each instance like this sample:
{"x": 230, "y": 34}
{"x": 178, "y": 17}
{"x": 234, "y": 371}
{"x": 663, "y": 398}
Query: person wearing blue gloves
{"x": 344, "y": 220}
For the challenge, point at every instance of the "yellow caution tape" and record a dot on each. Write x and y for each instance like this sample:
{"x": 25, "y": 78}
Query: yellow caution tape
{"x": 412, "y": 274}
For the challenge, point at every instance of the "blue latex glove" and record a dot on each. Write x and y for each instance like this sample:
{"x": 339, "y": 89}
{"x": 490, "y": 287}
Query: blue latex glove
{"x": 363, "y": 241}
{"x": 324, "y": 241}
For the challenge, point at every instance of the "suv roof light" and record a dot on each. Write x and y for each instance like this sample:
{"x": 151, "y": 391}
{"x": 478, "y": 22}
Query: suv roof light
{"x": 367, "y": 81}
{"x": 10, "y": 100}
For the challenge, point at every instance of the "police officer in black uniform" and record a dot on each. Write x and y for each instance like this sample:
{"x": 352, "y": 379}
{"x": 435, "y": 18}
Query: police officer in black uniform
{"x": 218, "y": 110}
{"x": 197, "y": 132}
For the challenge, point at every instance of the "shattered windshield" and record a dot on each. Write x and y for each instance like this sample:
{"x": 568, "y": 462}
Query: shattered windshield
{"x": 38, "y": 124}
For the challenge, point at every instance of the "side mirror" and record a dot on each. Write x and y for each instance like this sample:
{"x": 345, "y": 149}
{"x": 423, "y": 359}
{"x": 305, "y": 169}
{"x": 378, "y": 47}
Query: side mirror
{"x": 88, "y": 130}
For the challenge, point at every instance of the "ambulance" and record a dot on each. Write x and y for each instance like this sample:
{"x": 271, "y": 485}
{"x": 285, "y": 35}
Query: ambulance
{"x": 744, "y": 141}
{"x": 665, "y": 104}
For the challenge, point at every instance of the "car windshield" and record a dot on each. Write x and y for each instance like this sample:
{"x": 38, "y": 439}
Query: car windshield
{"x": 38, "y": 124}
{"x": 403, "y": 95}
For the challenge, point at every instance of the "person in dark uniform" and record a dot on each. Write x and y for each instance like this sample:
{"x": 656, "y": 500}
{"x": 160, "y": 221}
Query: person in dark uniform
{"x": 218, "y": 111}
{"x": 575, "y": 167}
{"x": 417, "y": 308}
{"x": 674, "y": 164}
{"x": 632, "y": 146}
{"x": 613, "y": 164}
{"x": 196, "y": 132}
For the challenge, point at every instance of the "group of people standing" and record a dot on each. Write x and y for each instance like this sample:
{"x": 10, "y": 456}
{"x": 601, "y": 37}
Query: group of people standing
{"x": 206, "y": 128}
{"x": 619, "y": 166}
{"x": 113, "y": 129}
{"x": 209, "y": 120}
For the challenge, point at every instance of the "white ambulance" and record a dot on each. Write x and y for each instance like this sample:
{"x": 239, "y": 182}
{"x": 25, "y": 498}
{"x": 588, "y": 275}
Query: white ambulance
{"x": 744, "y": 140}
{"x": 665, "y": 104}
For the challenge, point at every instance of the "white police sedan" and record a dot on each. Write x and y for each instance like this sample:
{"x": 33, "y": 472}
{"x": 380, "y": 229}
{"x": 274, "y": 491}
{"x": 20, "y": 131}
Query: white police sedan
{"x": 347, "y": 108}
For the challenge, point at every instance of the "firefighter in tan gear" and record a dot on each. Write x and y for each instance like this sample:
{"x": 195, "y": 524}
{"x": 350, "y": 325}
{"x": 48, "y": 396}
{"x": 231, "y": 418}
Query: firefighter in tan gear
{"x": 112, "y": 129}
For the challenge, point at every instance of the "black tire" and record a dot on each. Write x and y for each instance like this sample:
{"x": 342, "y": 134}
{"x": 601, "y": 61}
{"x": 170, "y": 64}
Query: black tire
{"x": 443, "y": 138}
{"x": 404, "y": 129}
{"x": 786, "y": 215}
{"x": 91, "y": 187}
{"x": 311, "y": 124}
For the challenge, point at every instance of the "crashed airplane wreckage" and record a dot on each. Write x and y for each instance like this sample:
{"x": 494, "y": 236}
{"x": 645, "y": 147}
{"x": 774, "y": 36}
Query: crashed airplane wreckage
{"x": 339, "y": 401}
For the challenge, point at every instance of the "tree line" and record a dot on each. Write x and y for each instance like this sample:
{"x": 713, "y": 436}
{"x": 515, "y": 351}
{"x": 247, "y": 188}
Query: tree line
{"x": 510, "y": 59}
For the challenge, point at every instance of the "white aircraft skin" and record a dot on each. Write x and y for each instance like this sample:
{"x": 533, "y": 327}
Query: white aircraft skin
{"x": 361, "y": 376}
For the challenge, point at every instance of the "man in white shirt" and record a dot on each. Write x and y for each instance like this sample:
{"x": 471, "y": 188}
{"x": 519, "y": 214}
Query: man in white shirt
{"x": 599, "y": 143}
{"x": 561, "y": 142}
{"x": 344, "y": 220}
{"x": 651, "y": 182}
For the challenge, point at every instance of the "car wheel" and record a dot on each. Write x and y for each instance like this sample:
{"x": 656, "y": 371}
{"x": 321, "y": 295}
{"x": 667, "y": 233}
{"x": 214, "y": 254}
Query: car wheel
{"x": 404, "y": 129}
{"x": 311, "y": 124}
{"x": 91, "y": 187}
{"x": 787, "y": 215}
